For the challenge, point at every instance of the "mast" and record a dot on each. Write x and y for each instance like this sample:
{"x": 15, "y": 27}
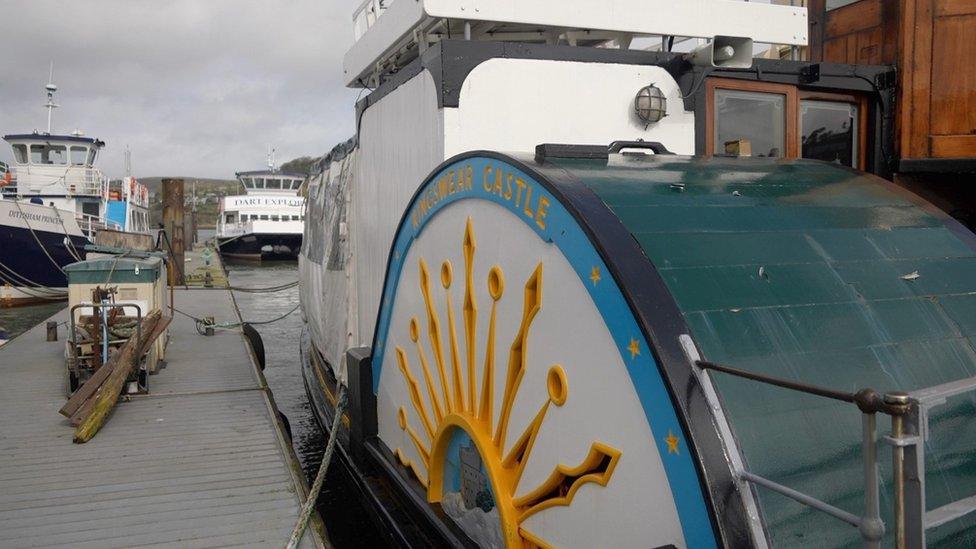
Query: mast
{"x": 271, "y": 159}
{"x": 51, "y": 105}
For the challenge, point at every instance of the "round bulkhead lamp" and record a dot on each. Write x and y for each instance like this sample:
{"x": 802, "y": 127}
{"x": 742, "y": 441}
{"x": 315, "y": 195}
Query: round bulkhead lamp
{"x": 650, "y": 104}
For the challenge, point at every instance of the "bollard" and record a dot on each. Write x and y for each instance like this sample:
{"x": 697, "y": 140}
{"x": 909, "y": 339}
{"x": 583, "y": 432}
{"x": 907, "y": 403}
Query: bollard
{"x": 209, "y": 330}
{"x": 52, "y": 330}
{"x": 208, "y": 280}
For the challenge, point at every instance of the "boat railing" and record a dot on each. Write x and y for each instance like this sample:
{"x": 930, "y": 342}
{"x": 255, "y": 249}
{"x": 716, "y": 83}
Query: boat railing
{"x": 72, "y": 181}
{"x": 909, "y": 413}
{"x": 366, "y": 14}
{"x": 89, "y": 224}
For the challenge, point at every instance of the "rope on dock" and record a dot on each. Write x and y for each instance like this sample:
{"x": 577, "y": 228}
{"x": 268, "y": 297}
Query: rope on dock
{"x": 313, "y": 493}
{"x": 202, "y": 324}
{"x": 269, "y": 289}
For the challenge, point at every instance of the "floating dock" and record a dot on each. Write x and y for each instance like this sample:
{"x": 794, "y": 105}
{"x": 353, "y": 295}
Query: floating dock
{"x": 201, "y": 461}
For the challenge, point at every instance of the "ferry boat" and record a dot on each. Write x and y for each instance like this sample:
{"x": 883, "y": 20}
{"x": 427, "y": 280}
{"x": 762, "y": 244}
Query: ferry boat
{"x": 566, "y": 292}
{"x": 54, "y": 202}
{"x": 266, "y": 222}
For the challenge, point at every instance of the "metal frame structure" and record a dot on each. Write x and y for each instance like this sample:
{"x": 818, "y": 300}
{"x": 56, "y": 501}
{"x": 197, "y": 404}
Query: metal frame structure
{"x": 909, "y": 413}
{"x": 388, "y": 34}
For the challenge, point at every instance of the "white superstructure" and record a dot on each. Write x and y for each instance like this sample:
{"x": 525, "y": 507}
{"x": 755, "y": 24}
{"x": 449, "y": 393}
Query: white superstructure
{"x": 267, "y": 220}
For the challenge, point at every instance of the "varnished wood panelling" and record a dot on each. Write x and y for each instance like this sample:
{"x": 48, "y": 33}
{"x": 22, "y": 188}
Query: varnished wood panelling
{"x": 947, "y": 8}
{"x": 953, "y": 108}
{"x": 835, "y": 50}
{"x": 954, "y": 146}
{"x": 855, "y": 17}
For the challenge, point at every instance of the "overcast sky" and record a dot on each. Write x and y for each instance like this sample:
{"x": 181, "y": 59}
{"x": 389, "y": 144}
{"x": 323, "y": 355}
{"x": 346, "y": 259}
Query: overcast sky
{"x": 194, "y": 87}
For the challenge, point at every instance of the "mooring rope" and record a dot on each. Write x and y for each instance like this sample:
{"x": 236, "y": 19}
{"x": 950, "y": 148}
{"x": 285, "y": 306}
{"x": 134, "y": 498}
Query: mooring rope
{"x": 202, "y": 324}
{"x": 71, "y": 245}
{"x": 313, "y": 493}
{"x": 269, "y": 289}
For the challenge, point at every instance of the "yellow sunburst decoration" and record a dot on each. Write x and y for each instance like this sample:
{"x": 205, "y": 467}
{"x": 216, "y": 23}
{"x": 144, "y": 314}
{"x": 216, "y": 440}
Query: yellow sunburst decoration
{"x": 456, "y": 402}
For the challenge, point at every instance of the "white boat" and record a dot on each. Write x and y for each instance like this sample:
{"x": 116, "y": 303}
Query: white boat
{"x": 266, "y": 222}
{"x": 569, "y": 312}
{"x": 54, "y": 201}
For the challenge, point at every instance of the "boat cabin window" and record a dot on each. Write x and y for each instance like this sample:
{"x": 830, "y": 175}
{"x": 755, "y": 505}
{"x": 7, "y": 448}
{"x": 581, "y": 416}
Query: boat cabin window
{"x": 296, "y": 183}
{"x": 79, "y": 155}
{"x": 264, "y": 217}
{"x": 230, "y": 217}
{"x": 49, "y": 154}
{"x": 764, "y": 119}
{"x": 294, "y": 218}
{"x": 258, "y": 182}
{"x": 90, "y": 208}
{"x": 829, "y": 131}
{"x": 273, "y": 183}
{"x": 274, "y": 218}
{"x": 20, "y": 154}
{"x": 92, "y": 153}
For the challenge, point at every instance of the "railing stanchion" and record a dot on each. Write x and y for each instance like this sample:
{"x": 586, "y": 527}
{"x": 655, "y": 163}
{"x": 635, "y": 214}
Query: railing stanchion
{"x": 871, "y": 526}
{"x": 898, "y": 402}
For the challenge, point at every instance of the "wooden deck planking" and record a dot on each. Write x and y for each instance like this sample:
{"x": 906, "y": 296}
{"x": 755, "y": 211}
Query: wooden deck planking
{"x": 197, "y": 463}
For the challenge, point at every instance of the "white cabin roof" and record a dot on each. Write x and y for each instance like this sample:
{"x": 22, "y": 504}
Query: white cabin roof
{"x": 387, "y": 30}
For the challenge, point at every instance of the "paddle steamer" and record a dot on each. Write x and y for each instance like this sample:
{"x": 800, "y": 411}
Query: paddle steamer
{"x": 593, "y": 275}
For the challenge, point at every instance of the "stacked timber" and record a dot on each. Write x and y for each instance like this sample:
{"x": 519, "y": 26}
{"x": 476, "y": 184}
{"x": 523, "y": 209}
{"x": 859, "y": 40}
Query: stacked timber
{"x": 90, "y": 405}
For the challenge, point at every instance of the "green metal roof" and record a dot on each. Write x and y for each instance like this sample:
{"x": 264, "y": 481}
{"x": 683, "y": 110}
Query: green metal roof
{"x": 110, "y": 270}
{"x": 817, "y": 273}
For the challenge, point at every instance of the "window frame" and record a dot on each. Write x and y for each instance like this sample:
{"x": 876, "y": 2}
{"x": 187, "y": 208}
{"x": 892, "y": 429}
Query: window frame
{"x": 792, "y": 105}
{"x": 860, "y": 101}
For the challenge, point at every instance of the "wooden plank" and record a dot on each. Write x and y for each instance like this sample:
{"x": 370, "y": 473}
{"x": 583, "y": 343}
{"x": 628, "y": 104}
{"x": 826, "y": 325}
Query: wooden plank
{"x": 87, "y": 389}
{"x": 855, "y": 17}
{"x": 108, "y": 394}
{"x": 835, "y": 50}
{"x": 953, "y": 100}
{"x": 949, "y": 8}
{"x": 953, "y": 146}
{"x": 918, "y": 146}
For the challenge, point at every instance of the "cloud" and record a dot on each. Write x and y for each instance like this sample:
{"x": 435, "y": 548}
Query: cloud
{"x": 194, "y": 87}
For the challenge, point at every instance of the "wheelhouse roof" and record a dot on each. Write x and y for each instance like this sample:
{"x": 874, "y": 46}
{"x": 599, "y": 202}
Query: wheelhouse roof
{"x": 267, "y": 173}
{"x": 47, "y": 138}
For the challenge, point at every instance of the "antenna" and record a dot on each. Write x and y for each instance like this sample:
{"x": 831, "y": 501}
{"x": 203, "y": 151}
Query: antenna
{"x": 127, "y": 161}
{"x": 51, "y": 105}
{"x": 271, "y": 158}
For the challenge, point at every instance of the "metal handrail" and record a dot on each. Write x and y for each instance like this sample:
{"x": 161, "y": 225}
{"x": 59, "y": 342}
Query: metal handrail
{"x": 870, "y": 525}
{"x": 909, "y": 414}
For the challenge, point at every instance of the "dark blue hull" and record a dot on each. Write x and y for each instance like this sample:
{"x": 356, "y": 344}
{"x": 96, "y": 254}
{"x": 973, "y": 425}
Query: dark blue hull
{"x": 259, "y": 246}
{"x": 23, "y": 262}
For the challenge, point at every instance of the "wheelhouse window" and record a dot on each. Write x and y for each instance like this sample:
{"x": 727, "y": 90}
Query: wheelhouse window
{"x": 49, "y": 154}
{"x": 829, "y": 131}
{"x": 273, "y": 183}
{"x": 778, "y": 120}
{"x": 20, "y": 154}
{"x": 258, "y": 182}
{"x": 756, "y": 117}
{"x": 246, "y": 181}
{"x": 78, "y": 156}
{"x": 92, "y": 153}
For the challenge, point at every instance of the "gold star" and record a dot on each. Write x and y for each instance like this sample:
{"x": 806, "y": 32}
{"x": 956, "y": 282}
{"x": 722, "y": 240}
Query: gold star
{"x": 595, "y": 275}
{"x": 634, "y": 348}
{"x": 672, "y": 442}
